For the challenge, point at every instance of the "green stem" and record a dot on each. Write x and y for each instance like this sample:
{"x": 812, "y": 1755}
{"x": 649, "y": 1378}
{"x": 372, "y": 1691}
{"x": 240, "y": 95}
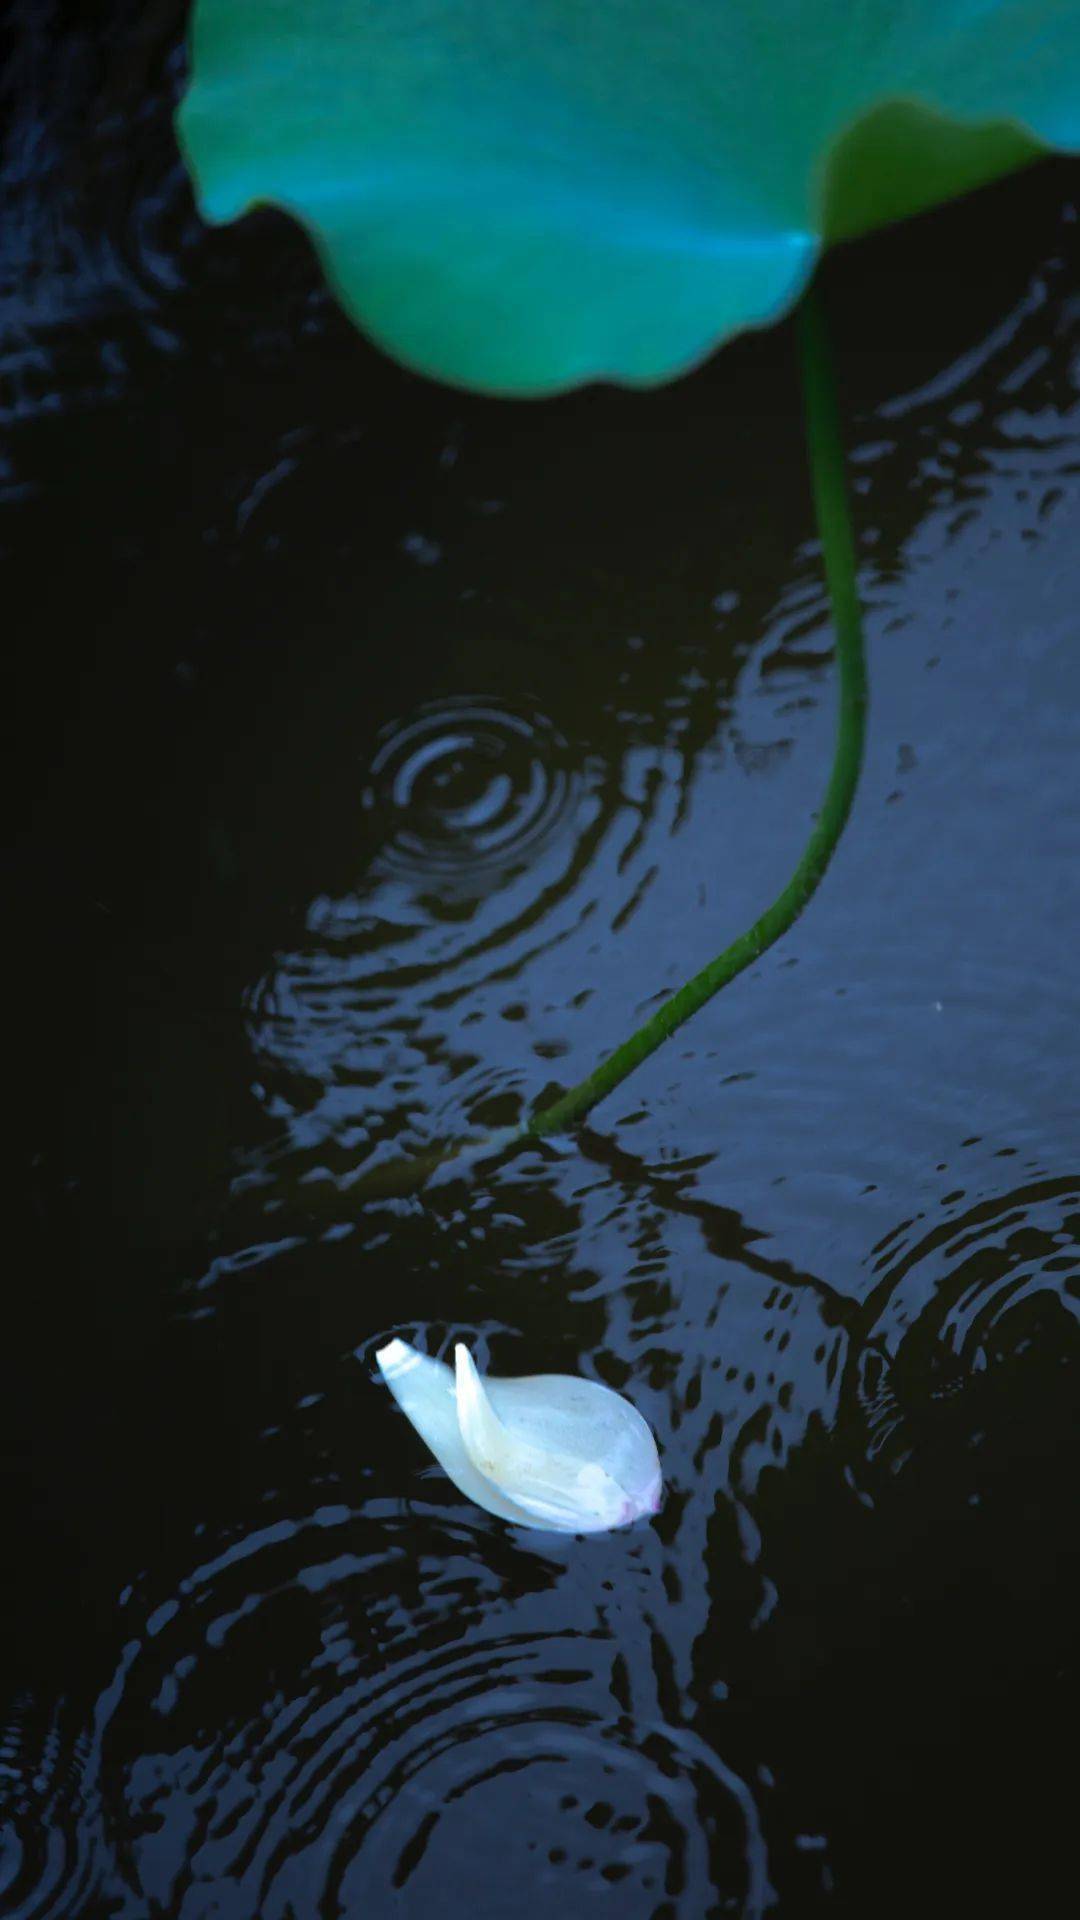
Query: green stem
{"x": 826, "y": 458}
{"x": 834, "y": 525}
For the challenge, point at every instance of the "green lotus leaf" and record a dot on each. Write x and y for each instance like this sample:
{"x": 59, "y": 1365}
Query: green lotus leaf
{"x": 520, "y": 195}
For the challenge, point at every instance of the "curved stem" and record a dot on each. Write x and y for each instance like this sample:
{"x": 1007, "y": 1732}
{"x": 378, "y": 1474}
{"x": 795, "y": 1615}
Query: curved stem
{"x": 826, "y": 457}
{"x": 834, "y": 525}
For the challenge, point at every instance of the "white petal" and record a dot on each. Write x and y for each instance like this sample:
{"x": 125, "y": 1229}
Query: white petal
{"x": 544, "y": 1450}
{"x": 559, "y": 1489}
{"x": 424, "y": 1390}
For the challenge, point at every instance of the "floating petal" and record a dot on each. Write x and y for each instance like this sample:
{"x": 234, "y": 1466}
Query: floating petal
{"x": 545, "y": 1450}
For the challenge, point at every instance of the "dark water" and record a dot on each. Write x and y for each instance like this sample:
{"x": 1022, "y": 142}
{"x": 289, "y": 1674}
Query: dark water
{"x": 382, "y": 755}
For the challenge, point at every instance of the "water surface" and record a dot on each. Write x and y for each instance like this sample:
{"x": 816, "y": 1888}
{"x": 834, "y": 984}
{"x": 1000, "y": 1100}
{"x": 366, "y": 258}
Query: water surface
{"x": 386, "y": 754}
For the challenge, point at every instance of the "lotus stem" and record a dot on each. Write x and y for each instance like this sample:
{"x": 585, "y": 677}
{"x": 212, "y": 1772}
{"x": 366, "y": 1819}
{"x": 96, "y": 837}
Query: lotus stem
{"x": 826, "y": 458}
{"x": 834, "y": 526}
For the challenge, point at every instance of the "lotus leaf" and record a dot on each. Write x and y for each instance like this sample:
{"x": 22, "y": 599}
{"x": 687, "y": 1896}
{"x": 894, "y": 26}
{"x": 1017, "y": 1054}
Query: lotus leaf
{"x": 520, "y": 195}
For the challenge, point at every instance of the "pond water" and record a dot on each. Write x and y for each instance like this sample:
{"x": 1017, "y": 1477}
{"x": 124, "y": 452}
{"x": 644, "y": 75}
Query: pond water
{"x": 385, "y": 754}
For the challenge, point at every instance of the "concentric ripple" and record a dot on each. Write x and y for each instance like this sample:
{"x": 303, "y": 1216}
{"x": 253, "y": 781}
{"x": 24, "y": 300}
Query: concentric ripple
{"x": 53, "y": 1859}
{"x": 332, "y": 1715}
{"x": 997, "y": 1275}
{"x": 498, "y": 861}
{"x": 465, "y": 786}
